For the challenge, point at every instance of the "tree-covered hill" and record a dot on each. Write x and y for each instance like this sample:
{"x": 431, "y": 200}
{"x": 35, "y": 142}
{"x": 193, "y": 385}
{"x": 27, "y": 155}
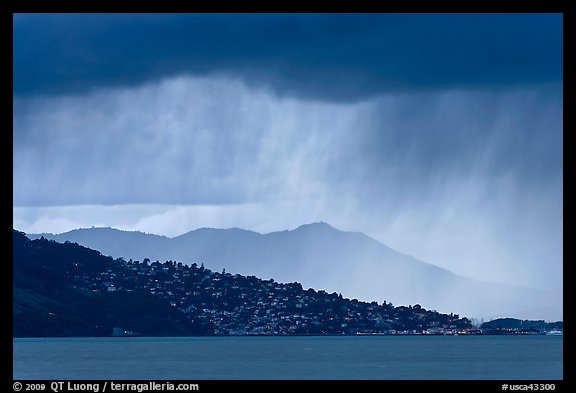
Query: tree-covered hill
{"x": 70, "y": 290}
{"x": 47, "y": 304}
{"x": 504, "y": 325}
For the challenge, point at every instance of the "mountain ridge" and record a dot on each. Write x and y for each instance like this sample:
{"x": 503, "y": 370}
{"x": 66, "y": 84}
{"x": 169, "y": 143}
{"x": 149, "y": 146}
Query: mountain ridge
{"x": 321, "y": 256}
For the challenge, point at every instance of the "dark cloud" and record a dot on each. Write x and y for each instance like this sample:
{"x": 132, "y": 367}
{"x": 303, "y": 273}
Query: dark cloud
{"x": 321, "y": 56}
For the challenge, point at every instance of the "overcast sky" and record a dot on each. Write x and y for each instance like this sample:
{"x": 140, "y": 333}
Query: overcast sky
{"x": 439, "y": 135}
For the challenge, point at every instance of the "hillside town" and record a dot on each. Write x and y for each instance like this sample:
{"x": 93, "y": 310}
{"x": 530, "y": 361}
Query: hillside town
{"x": 205, "y": 302}
{"x": 231, "y": 304}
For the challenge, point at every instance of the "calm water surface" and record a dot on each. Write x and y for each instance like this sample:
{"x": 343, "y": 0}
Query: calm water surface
{"x": 349, "y": 357}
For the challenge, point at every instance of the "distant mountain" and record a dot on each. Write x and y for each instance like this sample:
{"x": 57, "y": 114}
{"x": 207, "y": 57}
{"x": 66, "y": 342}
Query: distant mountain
{"x": 320, "y": 256}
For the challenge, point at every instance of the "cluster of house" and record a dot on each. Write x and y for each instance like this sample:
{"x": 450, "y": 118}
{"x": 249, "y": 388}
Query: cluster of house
{"x": 232, "y": 304}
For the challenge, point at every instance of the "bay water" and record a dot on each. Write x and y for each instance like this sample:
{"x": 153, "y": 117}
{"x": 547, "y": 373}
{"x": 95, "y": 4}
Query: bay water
{"x": 292, "y": 357}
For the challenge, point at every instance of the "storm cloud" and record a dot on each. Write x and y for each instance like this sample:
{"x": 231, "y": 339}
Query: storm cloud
{"x": 338, "y": 57}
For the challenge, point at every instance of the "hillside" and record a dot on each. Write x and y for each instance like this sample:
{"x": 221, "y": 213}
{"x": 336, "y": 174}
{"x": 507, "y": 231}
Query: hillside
{"x": 70, "y": 290}
{"x": 47, "y": 303}
{"x": 514, "y": 326}
{"x": 320, "y": 256}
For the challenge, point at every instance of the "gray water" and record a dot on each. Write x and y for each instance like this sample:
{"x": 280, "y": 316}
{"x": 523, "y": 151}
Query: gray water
{"x": 346, "y": 357}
